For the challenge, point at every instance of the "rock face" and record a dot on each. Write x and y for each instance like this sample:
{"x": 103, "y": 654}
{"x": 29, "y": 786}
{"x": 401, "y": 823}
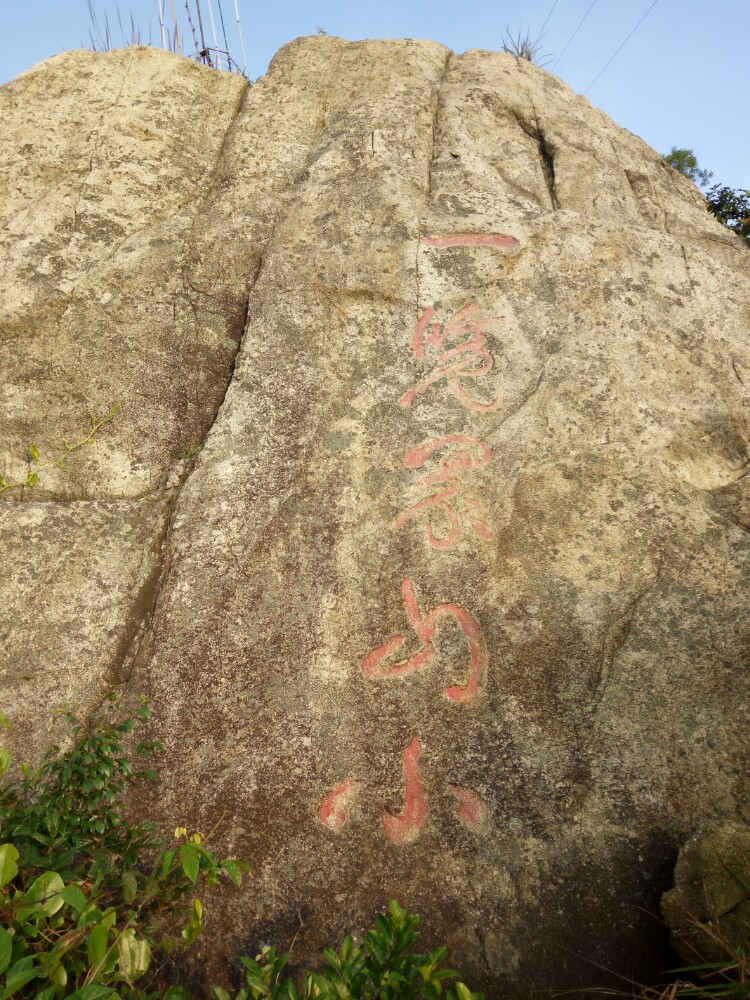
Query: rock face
{"x": 708, "y": 910}
{"x": 424, "y": 522}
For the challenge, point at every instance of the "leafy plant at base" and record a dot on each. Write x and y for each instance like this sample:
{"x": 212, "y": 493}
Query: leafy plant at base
{"x": 381, "y": 967}
{"x": 86, "y": 896}
{"x": 35, "y": 461}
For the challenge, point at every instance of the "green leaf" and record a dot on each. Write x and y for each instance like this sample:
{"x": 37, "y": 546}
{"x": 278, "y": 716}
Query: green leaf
{"x": 195, "y": 923}
{"x": 180, "y": 993}
{"x": 462, "y": 992}
{"x": 218, "y": 991}
{"x": 190, "y": 861}
{"x": 129, "y": 886}
{"x": 45, "y": 892}
{"x": 34, "y": 452}
{"x": 167, "y": 859}
{"x": 8, "y": 866}
{"x": 291, "y": 990}
{"x": 6, "y": 949}
{"x": 18, "y": 975}
{"x": 58, "y": 975}
{"x": 135, "y": 954}
{"x": 74, "y": 897}
{"x": 32, "y": 479}
{"x": 97, "y": 944}
{"x": 233, "y": 871}
{"x": 92, "y": 992}
{"x": 4, "y": 761}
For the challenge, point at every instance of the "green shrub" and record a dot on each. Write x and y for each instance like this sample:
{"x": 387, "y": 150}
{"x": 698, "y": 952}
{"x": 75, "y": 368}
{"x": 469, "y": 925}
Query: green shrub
{"x": 732, "y": 208}
{"x": 381, "y": 967}
{"x": 86, "y": 896}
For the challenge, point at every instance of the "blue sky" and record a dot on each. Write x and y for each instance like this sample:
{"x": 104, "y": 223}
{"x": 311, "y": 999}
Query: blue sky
{"x": 682, "y": 79}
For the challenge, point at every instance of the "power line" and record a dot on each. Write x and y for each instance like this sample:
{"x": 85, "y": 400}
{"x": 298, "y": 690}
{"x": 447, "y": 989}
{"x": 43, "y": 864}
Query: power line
{"x": 541, "y": 30}
{"x": 593, "y": 2}
{"x": 612, "y": 57}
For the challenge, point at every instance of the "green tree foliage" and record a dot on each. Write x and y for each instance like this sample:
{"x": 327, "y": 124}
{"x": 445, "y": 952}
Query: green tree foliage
{"x": 686, "y": 162}
{"x": 731, "y": 206}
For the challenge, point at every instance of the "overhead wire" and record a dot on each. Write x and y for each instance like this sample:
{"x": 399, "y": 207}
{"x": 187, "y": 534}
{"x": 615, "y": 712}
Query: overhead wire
{"x": 620, "y": 47}
{"x": 541, "y": 30}
{"x": 591, "y": 7}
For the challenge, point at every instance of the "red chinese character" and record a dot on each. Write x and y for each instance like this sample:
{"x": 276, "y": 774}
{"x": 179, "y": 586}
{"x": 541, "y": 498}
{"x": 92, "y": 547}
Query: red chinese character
{"x": 470, "y": 810}
{"x": 467, "y": 359}
{"x": 373, "y": 665}
{"x": 403, "y": 828}
{"x": 335, "y": 806}
{"x": 449, "y": 472}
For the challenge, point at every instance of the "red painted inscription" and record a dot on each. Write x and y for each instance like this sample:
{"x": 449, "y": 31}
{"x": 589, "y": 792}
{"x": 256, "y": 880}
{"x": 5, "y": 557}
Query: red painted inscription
{"x": 458, "y": 348}
{"x": 334, "y": 808}
{"x": 375, "y": 667}
{"x": 403, "y": 828}
{"x": 470, "y": 810}
{"x": 445, "y": 484}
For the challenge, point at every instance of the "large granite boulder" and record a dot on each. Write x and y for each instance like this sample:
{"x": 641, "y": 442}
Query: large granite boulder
{"x": 708, "y": 909}
{"x": 424, "y": 520}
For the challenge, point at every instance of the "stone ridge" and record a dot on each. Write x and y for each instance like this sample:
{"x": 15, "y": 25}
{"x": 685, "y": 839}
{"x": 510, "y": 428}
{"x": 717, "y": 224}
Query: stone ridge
{"x": 424, "y": 525}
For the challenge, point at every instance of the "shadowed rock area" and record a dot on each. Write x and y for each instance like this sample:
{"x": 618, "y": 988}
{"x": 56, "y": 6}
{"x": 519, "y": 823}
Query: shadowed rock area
{"x": 424, "y": 522}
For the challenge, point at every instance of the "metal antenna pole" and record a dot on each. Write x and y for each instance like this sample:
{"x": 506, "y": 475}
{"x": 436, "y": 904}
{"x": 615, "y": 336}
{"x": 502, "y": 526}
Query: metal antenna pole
{"x": 216, "y": 40}
{"x": 192, "y": 28}
{"x": 205, "y": 52}
{"x": 177, "y": 38}
{"x": 160, "y": 4}
{"x": 224, "y": 31}
{"x": 242, "y": 44}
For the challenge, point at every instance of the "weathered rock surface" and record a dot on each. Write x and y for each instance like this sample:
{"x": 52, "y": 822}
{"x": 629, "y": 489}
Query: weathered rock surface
{"x": 708, "y": 910}
{"x": 452, "y": 603}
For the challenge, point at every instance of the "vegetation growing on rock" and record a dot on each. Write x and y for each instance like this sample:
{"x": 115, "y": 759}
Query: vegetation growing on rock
{"x": 731, "y": 206}
{"x": 88, "y": 896}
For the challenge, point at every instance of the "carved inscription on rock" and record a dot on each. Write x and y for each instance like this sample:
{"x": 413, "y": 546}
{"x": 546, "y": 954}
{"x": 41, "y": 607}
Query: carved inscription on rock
{"x": 457, "y": 362}
{"x": 376, "y": 665}
{"x": 456, "y": 354}
{"x": 441, "y": 489}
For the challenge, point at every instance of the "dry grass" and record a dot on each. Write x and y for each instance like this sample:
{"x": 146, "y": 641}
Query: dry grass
{"x": 205, "y": 24}
{"x": 524, "y": 47}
